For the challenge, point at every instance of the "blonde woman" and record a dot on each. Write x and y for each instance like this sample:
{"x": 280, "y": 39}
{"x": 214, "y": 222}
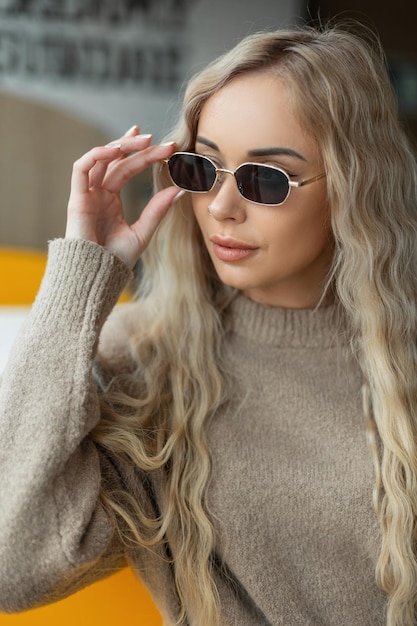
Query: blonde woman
{"x": 243, "y": 435}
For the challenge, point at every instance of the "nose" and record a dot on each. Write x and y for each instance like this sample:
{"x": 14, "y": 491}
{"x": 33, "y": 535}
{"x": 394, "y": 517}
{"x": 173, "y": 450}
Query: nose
{"x": 227, "y": 202}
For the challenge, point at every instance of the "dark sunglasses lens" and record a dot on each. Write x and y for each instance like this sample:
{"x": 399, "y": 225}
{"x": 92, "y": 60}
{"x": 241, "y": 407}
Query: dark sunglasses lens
{"x": 262, "y": 184}
{"x": 192, "y": 172}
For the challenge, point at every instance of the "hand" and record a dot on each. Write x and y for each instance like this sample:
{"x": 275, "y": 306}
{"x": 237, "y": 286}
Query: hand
{"x": 94, "y": 209}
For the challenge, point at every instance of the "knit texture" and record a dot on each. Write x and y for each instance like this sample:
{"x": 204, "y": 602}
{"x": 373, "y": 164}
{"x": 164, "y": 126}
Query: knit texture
{"x": 291, "y": 492}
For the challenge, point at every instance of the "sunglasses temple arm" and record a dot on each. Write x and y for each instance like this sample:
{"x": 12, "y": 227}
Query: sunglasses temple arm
{"x": 292, "y": 183}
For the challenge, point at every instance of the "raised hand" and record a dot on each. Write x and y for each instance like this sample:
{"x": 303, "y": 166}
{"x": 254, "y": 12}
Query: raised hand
{"x": 95, "y": 210}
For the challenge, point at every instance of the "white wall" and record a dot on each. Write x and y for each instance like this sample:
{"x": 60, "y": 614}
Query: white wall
{"x": 116, "y": 66}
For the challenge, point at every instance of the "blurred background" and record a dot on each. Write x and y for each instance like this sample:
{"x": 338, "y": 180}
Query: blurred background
{"x": 74, "y": 73}
{"x": 77, "y": 73}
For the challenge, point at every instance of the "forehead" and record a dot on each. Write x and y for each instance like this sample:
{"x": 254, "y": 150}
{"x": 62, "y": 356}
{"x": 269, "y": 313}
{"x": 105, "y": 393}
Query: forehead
{"x": 253, "y": 111}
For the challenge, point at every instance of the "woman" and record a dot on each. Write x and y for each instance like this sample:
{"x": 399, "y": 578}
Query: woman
{"x": 244, "y": 433}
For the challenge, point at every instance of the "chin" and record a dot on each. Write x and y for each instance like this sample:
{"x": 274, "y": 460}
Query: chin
{"x": 236, "y": 282}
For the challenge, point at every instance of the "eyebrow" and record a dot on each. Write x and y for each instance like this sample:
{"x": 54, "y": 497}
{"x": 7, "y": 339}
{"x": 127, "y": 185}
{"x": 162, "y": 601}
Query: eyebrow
{"x": 257, "y": 151}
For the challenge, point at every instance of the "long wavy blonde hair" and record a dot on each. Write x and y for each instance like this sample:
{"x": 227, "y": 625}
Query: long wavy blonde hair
{"x": 341, "y": 92}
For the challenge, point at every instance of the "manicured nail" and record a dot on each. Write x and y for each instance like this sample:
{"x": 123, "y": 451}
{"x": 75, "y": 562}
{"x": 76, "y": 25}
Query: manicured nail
{"x": 131, "y": 129}
{"x": 113, "y": 145}
{"x": 145, "y": 136}
{"x": 167, "y": 143}
{"x": 178, "y": 196}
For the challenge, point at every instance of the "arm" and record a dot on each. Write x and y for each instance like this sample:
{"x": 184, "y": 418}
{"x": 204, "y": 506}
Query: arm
{"x": 50, "y": 520}
{"x": 54, "y": 534}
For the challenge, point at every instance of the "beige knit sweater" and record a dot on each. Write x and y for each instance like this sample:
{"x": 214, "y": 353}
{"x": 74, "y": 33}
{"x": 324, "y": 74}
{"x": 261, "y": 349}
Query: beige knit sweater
{"x": 292, "y": 475}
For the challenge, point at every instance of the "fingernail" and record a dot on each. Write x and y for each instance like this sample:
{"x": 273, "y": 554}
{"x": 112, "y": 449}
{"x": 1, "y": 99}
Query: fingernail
{"x": 131, "y": 129}
{"x": 145, "y": 136}
{"x": 178, "y": 196}
{"x": 113, "y": 145}
{"x": 167, "y": 143}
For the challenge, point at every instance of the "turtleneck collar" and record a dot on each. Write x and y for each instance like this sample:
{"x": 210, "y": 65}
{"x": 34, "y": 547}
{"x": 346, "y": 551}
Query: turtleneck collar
{"x": 297, "y": 328}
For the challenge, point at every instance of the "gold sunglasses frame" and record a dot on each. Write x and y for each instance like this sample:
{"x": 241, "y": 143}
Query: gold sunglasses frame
{"x": 221, "y": 170}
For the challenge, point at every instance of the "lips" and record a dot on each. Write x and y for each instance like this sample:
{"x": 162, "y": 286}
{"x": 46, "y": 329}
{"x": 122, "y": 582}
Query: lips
{"x": 229, "y": 249}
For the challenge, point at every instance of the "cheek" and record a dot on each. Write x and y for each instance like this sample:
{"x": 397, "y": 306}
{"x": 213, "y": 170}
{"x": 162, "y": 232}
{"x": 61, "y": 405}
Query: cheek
{"x": 315, "y": 220}
{"x": 200, "y": 209}
{"x": 301, "y": 232}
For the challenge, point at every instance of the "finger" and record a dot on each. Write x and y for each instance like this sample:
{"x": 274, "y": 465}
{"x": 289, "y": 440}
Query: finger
{"x": 123, "y": 170}
{"x": 131, "y": 143}
{"x": 133, "y": 131}
{"x": 153, "y": 214}
{"x": 80, "y": 180}
{"x": 96, "y": 174}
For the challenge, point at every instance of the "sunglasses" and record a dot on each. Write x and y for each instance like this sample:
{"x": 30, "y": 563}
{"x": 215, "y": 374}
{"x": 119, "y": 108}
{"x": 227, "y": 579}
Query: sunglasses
{"x": 263, "y": 184}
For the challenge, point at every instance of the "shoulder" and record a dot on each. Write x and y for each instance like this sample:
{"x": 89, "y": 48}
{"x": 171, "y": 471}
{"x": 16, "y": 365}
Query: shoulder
{"x": 117, "y": 334}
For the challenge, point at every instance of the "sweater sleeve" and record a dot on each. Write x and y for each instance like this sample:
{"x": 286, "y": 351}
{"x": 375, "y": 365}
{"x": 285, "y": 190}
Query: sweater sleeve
{"x": 54, "y": 535}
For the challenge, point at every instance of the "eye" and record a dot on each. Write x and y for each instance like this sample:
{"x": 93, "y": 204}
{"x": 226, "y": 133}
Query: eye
{"x": 213, "y": 160}
{"x": 290, "y": 173}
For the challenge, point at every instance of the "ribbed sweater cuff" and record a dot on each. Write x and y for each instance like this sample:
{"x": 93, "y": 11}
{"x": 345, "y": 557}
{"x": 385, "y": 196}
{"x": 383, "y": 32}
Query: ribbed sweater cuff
{"x": 81, "y": 277}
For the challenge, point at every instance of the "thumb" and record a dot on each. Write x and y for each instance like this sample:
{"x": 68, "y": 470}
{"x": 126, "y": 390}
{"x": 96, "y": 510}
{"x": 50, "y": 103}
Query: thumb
{"x": 153, "y": 214}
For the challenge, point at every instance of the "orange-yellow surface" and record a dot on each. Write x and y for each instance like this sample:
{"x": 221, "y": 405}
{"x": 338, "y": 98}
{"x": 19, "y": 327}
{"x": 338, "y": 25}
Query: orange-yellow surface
{"x": 21, "y": 272}
{"x": 117, "y": 601}
{"x": 120, "y": 599}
